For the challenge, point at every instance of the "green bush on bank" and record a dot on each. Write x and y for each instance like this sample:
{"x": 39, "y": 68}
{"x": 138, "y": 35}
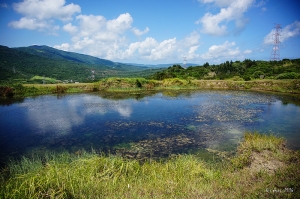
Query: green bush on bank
{"x": 290, "y": 75}
{"x": 174, "y": 82}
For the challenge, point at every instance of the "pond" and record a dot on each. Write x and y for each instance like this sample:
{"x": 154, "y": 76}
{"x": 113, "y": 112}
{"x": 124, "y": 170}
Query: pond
{"x": 143, "y": 125}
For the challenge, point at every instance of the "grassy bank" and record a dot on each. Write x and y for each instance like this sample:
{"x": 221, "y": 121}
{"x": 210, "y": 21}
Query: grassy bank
{"x": 126, "y": 84}
{"x": 25, "y": 90}
{"x": 142, "y": 84}
{"x": 262, "y": 168}
{"x": 136, "y": 84}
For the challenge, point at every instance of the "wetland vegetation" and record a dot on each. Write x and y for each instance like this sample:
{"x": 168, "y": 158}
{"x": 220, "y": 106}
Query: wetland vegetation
{"x": 142, "y": 84}
{"x": 262, "y": 168}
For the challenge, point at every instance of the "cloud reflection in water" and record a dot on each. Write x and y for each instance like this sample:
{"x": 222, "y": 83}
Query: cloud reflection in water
{"x": 47, "y": 113}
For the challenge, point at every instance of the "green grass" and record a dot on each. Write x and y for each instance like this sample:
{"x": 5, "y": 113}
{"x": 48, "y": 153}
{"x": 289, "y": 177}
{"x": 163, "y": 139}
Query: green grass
{"x": 258, "y": 142}
{"x": 41, "y": 89}
{"x": 127, "y": 84}
{"x": 90, "y": 175}
{"x": 141, "y": 84}
{"x": 48, "y": 79}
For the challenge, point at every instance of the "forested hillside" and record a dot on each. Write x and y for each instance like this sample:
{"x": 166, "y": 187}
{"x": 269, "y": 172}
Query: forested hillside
{"x": 22, "y": 64}
{"x": 52, "y": 53}
{"x": 245, "y": 70}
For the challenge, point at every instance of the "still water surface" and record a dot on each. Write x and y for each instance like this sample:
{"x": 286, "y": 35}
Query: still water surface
{"x": 143, "y": 125}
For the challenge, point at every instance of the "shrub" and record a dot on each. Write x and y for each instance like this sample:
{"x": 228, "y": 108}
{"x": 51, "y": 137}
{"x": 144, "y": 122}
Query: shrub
{"x": 174, "y": 82}
{"x": 138, "y": 83}
{"x": 257, "y": 74}
{"x": 237, "y": 78}
{"x": 247, "y": 78}
{"x": 6, "y": 91}
{"x": 60, "y": 89}
{"x": 19, "y": 89}
{"x": 290, "y": 75}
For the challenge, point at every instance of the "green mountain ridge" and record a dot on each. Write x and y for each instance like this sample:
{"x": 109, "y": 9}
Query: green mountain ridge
{"x": 23, "y": 63}
{"x": 52, "y": 53}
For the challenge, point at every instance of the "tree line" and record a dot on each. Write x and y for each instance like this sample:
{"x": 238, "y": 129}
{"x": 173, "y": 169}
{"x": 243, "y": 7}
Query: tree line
{"x": 238, "y": 70}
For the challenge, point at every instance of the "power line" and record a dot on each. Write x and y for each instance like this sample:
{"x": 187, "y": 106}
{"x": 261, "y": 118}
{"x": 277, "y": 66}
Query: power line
{"x": 255, "y": 44}
{"x": 256, "y": 41}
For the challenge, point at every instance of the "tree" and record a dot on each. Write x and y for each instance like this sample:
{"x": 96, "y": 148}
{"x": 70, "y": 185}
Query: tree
{"x": 257, "y": 74}
{"x": 138, "y": 83}
{"x": 206, "y": 65}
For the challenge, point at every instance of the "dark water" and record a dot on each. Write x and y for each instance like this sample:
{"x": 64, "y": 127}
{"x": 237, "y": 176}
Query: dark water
{"x": 142, "y": 125}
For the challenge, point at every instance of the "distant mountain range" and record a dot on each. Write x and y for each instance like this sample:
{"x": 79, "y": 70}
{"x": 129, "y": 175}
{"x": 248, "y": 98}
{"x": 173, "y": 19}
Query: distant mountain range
{"x": 161, "y": 65}
{"x": 26, "y": 62}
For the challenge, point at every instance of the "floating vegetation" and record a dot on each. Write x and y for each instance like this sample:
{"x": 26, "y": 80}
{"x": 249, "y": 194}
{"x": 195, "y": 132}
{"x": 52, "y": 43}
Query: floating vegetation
{"x": 120, "y": 124}
{"x": 158, "y": 147}
{"x": 231, "y": 106}
{"x": 89, "y": 134}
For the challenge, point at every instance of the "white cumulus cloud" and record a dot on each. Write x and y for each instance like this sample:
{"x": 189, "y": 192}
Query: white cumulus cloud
{"x": 216, "y": 24}
{"x": 86, "y": 41}
{"x": 188, "y": 46}
{"x": 163, "y": 50}
{"x": 191, "y": 40}
{"x": 169, "y": 49}
{"x": 64, "y": 46}
{"x": 121, "y": 24}
{"x": 39, "y": 14}
{"x": 46, "y": 9}
{"x": 219, "y": 3}
{"x": 151, "y": 49}
{"x": 97, "y": 36}
{"x": 29, "y": 23}
{"x": 145, "y": 47}
{"x": 70, "y": 28}
{"x": 226, "y": 50}
{"x": 90, "y": 24}
{"x": 137, "y": 32}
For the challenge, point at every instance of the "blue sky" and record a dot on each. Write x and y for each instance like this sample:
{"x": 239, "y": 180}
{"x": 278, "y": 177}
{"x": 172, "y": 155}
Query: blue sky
{"x": 156, "y": 31}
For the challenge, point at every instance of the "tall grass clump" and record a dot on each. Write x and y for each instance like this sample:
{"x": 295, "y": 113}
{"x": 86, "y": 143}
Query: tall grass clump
{"x": 256, "y": 142}
{"x": 114, "y": 83}
{"x": 174, "y": 82}
{"x": 97, "y": 176}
